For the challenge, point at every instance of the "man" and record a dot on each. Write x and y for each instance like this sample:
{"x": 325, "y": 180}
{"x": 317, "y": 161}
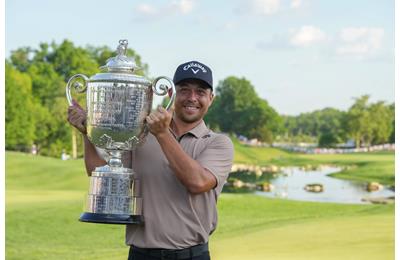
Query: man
{"x": 182, "y": 167}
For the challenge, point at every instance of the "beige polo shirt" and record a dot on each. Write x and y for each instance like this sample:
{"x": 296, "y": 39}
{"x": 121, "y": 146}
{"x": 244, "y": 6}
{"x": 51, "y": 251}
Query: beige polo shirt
{"x": 173, "y": 217}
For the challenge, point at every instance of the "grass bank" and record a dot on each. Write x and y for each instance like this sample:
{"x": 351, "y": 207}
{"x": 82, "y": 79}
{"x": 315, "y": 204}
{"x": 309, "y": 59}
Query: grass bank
{"x": 44, "y": 197}
{"x": 377, "y": 166}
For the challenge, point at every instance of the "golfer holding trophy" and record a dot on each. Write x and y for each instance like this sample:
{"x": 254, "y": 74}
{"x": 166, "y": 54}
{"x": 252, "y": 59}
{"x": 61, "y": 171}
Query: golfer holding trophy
{"x": 165, "y": 168}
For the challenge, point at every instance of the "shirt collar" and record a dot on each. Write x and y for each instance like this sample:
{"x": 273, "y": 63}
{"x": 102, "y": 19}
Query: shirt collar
{"x": 198, "y": 131}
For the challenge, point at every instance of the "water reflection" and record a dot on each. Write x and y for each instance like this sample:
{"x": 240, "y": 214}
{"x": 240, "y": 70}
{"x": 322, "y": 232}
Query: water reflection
{"x": 290, "y": 185}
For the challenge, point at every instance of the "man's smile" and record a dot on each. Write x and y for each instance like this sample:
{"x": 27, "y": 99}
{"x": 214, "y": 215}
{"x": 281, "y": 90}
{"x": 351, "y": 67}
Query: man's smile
{"x": 191, "y": 108}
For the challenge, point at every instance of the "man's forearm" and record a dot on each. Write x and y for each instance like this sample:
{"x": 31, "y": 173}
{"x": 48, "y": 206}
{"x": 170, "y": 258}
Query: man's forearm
{"x": 92, "y": 158}
{"x": 189, "y": 171}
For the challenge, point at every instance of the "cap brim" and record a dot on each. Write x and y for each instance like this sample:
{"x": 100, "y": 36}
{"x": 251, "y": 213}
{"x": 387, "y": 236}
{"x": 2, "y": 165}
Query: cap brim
{"x": 205, "y": 85}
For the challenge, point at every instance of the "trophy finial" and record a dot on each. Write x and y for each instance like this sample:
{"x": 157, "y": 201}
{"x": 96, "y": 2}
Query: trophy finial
{"x": 121, "y": 62}
{"x": 122, "y": 47}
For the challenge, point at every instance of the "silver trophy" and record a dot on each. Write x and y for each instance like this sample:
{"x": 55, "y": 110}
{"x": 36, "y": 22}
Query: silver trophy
{"x": 118, "y": 102}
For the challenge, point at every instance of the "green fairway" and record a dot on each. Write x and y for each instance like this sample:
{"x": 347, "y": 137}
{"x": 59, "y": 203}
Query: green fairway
{"x": 361, "y": 237}
{"x": 44, "y": 197}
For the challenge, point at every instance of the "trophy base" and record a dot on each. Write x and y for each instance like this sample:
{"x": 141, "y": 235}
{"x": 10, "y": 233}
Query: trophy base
{"x": 111, "y": 218}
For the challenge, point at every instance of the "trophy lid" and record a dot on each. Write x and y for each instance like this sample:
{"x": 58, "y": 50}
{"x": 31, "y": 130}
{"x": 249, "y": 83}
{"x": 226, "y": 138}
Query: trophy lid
{"x": 121, "y": 63}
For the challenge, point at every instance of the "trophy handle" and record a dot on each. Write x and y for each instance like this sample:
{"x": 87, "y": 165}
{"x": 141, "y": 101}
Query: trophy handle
{"x": 163, "y": 89}
{"x": 79, "y": 87}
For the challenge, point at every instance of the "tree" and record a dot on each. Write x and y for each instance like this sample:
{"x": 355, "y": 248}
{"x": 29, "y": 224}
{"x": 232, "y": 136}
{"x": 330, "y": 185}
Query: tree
{"x": 69, "y": 60}
{"x": 238, "y": 109}
{"x": 381, "y": 122}
{"x": 370, "y": 123}
{"x": 326, "y": 125}
{"x": 52, "y": 66}
{"x": 47, "y": 69}
{"x": 328, "y": 139}
{"x": 358, "y": 124}
{"x": 19, "y": 105}
{"x": 20, "y": 58}
{"x": 392, "y": 135}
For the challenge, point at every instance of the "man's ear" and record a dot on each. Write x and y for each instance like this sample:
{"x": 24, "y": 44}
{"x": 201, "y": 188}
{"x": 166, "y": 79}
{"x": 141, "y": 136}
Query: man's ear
{"x": 212, "y": 98}
{"x": 170, "y": 92}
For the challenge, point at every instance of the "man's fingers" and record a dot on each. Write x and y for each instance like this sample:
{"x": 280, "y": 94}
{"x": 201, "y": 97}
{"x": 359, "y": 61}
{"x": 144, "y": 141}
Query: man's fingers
{"x": 149, "y": 120}
{"x": 161, "y": 110}
{"x": 76, "y": 114}
{"x": 80, "y": 125}
{"x": 159, "y": 121}
{"x": 74, "y": 110}
{"x": 76, "y": 104}
{"x": 152, "y": 117}
{"x": 171, "y": 109}
{"x": 155, "y": 117}
{"x": 71, "y": 109}
{"x": 161, "y": 114}
{"x": 77, "y": 118}
{"x": 166, "y": 112}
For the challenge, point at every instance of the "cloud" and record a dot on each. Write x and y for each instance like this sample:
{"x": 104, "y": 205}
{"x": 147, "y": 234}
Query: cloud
{"x": 306, "y": 36}
{"x": 183, "y": 6}
{"x": 180, "y": 7}
{"x": 229, "y": 26}
{"x": 266, "y": 7}
{"x": 360, "y": 41}
{"x": 276, "y": 42}
{"x": 260, "y": 7}
{"x": 293, "y": 63}
{"x": 296, "y": 4}
{"x": 146, "y": 9}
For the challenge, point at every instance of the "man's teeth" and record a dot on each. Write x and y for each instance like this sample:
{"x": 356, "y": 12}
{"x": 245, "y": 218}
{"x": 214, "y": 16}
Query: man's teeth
{"x": 191, "y": 108}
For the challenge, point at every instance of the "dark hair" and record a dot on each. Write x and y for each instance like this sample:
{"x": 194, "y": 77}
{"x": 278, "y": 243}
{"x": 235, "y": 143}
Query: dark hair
{"x": 199, "y": 82}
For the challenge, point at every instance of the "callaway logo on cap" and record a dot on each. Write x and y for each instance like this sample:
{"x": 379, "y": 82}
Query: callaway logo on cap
{"x": 194, "y": 70}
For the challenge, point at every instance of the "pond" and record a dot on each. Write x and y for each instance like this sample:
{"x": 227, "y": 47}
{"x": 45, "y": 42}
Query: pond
{"x": 290, "y": 184}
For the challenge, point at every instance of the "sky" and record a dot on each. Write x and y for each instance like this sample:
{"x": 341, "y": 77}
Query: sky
{"x": 300, "y": 55}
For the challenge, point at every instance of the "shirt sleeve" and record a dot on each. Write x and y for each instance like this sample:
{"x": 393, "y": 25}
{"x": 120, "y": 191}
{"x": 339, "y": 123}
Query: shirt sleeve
{"x": 217, "y": 157}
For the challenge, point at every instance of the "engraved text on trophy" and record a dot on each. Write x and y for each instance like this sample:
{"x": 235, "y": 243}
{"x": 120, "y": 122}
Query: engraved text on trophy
{"x": 116, "y": 106}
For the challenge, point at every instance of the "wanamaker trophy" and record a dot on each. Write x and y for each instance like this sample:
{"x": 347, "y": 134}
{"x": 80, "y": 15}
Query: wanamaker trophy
{"x": 118, "y": 102}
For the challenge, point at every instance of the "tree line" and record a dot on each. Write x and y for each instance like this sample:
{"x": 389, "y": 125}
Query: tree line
{"x": 36, "y": 106}
{"x": 364, "y": 122}
{"x": 35, "y": 111}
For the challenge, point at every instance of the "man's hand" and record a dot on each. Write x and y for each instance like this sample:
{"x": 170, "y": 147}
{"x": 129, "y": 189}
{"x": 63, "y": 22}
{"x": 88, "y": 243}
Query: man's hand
{"x": 77, "y": 117}
{"x": 159, "y": 121}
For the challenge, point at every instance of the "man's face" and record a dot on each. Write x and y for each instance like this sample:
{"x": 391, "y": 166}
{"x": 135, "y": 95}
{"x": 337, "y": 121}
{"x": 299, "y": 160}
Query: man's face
{"x": 192, "y": 101}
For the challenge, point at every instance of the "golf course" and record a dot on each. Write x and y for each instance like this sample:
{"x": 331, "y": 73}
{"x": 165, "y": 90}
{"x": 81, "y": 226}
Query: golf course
{"x": 45, "y": 196}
